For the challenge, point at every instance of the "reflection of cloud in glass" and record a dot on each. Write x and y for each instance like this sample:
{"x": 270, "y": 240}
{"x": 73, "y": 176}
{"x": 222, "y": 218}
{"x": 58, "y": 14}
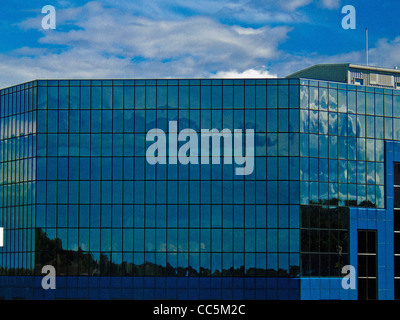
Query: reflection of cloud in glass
{"x": 333, "y": 124}
{"x": 333, "y": 100}
{"x": 351, "y": 125}
{"x": 314, "y": 125}
{"x": 323, "y": 96}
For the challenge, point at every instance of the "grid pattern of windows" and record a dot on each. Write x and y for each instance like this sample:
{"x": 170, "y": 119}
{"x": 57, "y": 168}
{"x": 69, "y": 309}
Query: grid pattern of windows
{"x": 324, "y": 240}
{"x": 367, "y": 265}
{"x": 342, "y": 133}
{"x": 343, "y": 128}
{"x": 77, "y": 151}
{"x": 101, "y": 209}
{"x": 17, "y": 178}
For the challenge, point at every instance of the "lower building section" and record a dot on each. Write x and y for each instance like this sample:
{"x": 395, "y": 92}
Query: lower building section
{"x": 149, "y": 288}
{"x": 365, "y": 240}
{"x": 372, "y": 246}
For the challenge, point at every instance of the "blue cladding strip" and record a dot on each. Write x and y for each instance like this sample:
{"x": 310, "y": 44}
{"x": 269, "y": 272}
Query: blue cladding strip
{"x": 148, "y": 288}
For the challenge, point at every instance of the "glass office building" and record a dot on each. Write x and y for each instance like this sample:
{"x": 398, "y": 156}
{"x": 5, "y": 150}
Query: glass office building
{"x": 79, "y": 193}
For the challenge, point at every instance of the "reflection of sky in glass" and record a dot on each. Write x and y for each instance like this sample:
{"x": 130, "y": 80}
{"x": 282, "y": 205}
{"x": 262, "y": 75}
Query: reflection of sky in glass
{"x": 77, "y": 138}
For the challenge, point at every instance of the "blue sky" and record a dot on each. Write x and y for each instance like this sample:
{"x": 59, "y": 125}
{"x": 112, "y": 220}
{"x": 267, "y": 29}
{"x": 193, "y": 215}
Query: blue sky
{"x": 190, "y": 38}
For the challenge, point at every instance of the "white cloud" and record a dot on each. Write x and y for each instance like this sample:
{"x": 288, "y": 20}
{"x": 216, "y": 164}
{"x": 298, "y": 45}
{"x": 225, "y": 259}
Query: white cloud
{"x": 293, "y": 5}
{"x": 330, "y": 4}
{"x": 247, "y": 11}
{"x": 250, "y": 73}
{"x": 131, "y": 40}
{"x": 106, "y": 42}
{"x": 201, "y": 38}
{"x": 386, "y": 53}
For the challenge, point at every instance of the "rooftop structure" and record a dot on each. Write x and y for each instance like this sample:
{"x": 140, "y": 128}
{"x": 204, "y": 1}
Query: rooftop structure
{"x": 352, "y": 74}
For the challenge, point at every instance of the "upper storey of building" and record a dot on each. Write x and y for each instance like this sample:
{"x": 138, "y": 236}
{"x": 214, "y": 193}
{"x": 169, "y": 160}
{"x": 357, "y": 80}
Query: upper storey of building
{"x": 346, "y": 73}
{"x": 352, "y": 74}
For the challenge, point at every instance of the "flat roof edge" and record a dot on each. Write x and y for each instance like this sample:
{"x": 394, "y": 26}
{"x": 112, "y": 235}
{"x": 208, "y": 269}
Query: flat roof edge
{"x": 347, "y": 65}
{"x": 374, "y": 68}
{"x": 321, "y": 65}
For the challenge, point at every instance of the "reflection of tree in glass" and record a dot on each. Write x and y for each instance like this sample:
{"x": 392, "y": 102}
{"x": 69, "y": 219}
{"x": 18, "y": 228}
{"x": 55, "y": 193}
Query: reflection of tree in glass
{"x": 79, "y": 262}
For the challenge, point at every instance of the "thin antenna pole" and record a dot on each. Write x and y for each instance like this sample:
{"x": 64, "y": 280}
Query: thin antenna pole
{"x": 366, "y": 38}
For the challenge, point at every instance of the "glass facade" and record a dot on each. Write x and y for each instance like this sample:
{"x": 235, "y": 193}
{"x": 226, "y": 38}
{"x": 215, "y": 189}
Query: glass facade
{"x": 18, "y": 178}
{"x": 77, "y": 191}
{"x": 342, "y": 133}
